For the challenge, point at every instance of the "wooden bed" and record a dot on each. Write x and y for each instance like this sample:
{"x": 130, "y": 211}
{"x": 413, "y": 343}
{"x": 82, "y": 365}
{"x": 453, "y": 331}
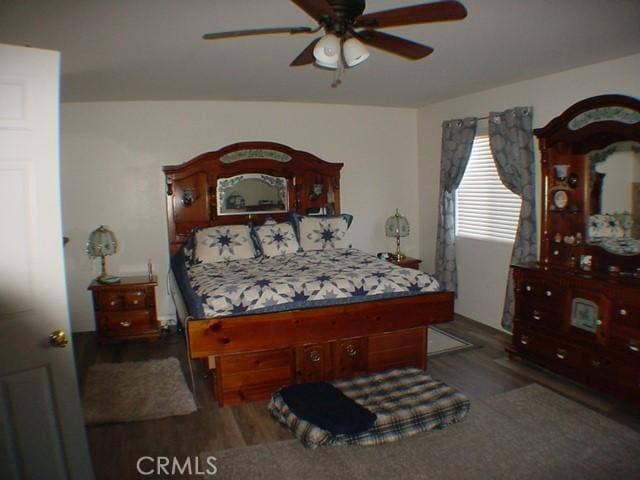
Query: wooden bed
{"x": 252, "y": 355}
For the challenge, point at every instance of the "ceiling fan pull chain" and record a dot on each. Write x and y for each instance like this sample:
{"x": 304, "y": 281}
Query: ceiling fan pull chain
{"x": 337, "y": 76}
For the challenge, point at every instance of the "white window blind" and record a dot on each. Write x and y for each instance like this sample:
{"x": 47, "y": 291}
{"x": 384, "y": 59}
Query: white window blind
{"x": 485, "y": 208}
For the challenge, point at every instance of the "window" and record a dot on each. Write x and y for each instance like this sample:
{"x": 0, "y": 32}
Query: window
{"x": 485, "y": 208}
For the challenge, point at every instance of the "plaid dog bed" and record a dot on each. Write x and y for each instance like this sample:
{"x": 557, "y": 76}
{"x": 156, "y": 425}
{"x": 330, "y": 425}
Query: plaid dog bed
{"x": 406, "y": 401}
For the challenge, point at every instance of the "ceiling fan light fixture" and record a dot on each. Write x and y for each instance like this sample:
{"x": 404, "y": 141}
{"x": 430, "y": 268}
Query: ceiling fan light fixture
{"x": 327, "y": 51}
{"x": 354, "y": 52}
{"x": 332, "y": 66}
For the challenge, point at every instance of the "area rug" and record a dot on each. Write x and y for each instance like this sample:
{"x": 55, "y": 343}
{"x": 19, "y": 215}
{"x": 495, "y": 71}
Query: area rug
{"x": 528, "y": 433}
{"x": 439, "y": 341}
{"x": 136, "y": 391}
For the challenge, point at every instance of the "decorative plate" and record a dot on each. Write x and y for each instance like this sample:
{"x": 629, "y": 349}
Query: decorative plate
{"x": 560, "y": 199}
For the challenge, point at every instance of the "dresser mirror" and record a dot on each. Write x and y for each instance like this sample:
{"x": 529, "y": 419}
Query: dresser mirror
{"x": 591, "y": 186}
{"x": 252, "y": 193}
{"x": 614, "y": 198}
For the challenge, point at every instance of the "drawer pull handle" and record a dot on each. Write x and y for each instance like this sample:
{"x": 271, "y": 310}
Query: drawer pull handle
{"x": 623, "y": 312}
{"x": 528, "y": 288}
{"x": 314, "y": 356}
{"x": 112, "y": 303}
{"x": 537, "y": 315}
{"x": 595, "y": 363}
{"x": 561, "y": 353}
{"x": 598, "y": 322}
{"x": 548, "y": 293}
{"x": 351, "y": 350}
{"x": 125, "y": 323}
{"x": 524, "y": 339}
{"x": 135, "y": 302}
{"x": 634, "y": 348}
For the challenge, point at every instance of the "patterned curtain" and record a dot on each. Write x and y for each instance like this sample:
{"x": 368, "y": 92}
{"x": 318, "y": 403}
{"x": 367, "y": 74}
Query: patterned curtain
{"x": 457, "y": 140}
{"x": 511, "y": 140}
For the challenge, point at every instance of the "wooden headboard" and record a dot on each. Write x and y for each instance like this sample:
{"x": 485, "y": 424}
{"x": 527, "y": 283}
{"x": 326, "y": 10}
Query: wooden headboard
{"x": 191, "y": 186}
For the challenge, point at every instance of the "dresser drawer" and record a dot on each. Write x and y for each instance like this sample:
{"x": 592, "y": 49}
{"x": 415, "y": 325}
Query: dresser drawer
{"x": 552, "y": 352}
{"x": 607, "y": 370}
{"x": 539, "y": 293}
{"x": 537, "y": 316}
{"x": 626, "y": 314}
{"x": 624, "y": 339}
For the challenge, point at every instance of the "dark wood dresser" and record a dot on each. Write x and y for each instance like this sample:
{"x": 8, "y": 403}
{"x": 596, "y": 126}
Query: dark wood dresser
{"x": 582, "y": 325}
{"x": 578, "y": 309}
{"x": 126, "y": 310}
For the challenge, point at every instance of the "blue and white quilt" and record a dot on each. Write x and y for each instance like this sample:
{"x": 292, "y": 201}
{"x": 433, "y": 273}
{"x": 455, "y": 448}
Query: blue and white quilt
{"x": 299, "y": 280}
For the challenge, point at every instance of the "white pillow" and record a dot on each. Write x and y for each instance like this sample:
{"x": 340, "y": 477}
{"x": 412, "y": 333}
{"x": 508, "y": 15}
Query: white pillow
{"x": 323, "y": 233}
{"x": 277, "y": 239}
{"x": 223, "y": 243}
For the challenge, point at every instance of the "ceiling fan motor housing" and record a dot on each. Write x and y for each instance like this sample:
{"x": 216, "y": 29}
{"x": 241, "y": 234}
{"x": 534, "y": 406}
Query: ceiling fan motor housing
{"x": 346, "y": 11}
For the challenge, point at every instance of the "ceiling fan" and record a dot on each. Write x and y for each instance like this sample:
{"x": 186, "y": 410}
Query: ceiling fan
{"x": 348, "y": 30}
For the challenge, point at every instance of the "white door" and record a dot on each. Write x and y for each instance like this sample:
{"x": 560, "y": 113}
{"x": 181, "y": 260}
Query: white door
{"x": 42, "y": 434}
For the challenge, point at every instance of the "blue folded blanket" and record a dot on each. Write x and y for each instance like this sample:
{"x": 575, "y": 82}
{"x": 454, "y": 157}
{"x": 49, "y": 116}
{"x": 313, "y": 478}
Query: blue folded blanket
{"x": 322, "y": 404}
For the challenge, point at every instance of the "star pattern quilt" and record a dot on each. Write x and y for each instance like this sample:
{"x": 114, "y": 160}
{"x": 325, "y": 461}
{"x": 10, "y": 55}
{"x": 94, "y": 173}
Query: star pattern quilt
{"x": 299, "y": 280}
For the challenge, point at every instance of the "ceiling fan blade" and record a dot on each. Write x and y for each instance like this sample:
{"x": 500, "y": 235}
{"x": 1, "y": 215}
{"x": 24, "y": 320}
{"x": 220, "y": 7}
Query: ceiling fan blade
{"x": 392, "y": 44}
{"x": 256, "y": 31}
{"x": 306, "y": 56}
{"x": 316, "y": 8}
{"x": 423, "y": 13}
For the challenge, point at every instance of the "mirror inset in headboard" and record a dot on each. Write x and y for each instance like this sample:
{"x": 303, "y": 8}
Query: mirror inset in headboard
{"x": 251, "y": 193}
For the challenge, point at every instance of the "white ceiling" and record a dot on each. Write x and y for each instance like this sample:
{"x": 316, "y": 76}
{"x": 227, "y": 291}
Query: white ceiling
{"x": 152, "y": 49}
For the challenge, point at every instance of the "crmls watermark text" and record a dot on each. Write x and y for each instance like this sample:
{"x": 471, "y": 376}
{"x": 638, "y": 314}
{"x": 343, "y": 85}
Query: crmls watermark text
{"x": 176, "y": 466}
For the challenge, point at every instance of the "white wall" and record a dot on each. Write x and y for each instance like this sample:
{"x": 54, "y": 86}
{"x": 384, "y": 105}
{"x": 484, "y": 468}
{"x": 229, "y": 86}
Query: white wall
{"x": 112, "y": 154}
{"x": 482, "y": 265}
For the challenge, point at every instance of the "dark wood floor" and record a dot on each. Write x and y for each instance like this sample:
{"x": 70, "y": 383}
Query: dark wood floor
{"x": 479, "y": 372}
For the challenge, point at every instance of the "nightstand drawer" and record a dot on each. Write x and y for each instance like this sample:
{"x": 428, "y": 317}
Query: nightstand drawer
{"x": 126, "y": 323}
{"x": 134, "y": 298}
{"x": 119, "y": 300}
{"x": 111, "y": 300}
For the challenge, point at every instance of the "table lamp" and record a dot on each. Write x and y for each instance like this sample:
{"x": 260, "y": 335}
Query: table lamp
{"x": 397, "y": 226}
{"x": 102, "y": 242}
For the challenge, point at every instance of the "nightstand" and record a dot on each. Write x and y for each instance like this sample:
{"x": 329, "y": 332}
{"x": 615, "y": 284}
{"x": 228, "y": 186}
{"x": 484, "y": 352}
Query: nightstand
{"x": 126, "y": 310}
{"x": 406, "y": 262}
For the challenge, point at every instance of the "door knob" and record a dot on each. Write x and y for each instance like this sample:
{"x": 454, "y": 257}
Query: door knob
{"x": 58, "y": 339}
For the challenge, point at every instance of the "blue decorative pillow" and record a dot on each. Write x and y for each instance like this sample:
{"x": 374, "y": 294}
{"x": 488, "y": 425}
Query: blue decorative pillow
{"x": 322, "y": 232}
{"x": 224, "y": 243}
{"x": 277, "y": 238}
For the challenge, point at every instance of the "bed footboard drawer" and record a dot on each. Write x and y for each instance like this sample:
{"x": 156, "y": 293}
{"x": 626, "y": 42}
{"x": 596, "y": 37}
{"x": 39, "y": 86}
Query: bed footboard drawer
{"x": 251, "y": 377}
{"x": 398, "y": 349}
